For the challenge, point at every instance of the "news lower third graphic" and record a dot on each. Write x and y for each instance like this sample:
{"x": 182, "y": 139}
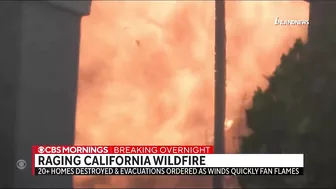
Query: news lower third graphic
{"x": 168, "y": 171}
{"x": 157, "y": 160}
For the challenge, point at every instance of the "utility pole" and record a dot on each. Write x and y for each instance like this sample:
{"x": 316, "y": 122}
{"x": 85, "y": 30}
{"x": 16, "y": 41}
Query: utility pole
{"x": 220, "y": 85}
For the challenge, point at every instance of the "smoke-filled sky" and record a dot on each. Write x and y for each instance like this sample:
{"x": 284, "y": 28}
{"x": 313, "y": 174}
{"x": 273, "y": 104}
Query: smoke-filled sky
{"x": 147, "y": 71}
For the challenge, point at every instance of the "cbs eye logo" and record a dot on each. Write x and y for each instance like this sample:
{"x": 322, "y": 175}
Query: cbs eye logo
{"x": 40, "y": 149}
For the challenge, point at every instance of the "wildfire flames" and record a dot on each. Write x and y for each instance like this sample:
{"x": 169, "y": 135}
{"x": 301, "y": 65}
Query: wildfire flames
{"x": 147, "y": 73}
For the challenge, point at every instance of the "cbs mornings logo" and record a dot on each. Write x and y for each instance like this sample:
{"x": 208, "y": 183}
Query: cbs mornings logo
{"x": 71, "y": 149}
{"x": 49, "y": 149}
{"x": 40, "y": 149}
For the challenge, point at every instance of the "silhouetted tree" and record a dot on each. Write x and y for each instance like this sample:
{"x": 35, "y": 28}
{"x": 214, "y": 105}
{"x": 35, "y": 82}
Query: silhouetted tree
{"x": 295, "y": 114}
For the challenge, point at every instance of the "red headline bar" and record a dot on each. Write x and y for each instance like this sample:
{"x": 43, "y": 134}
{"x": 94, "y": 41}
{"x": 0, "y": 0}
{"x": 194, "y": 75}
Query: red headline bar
{"x": 123, "y": 149}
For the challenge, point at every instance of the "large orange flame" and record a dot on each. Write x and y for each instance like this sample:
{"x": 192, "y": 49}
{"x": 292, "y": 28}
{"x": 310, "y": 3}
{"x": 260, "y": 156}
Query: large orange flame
{"x": 146, "y": 72}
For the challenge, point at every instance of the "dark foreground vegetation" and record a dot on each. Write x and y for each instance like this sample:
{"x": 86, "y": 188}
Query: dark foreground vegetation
{"x": 297, "y": 114}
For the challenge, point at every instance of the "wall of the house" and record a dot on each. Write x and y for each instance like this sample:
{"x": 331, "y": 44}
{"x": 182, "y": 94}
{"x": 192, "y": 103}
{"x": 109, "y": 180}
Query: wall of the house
{"x": 39, "y": 49}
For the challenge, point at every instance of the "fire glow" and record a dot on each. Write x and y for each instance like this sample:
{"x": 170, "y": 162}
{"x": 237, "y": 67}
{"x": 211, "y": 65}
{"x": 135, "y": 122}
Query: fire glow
{"x": 147, "y": 72}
